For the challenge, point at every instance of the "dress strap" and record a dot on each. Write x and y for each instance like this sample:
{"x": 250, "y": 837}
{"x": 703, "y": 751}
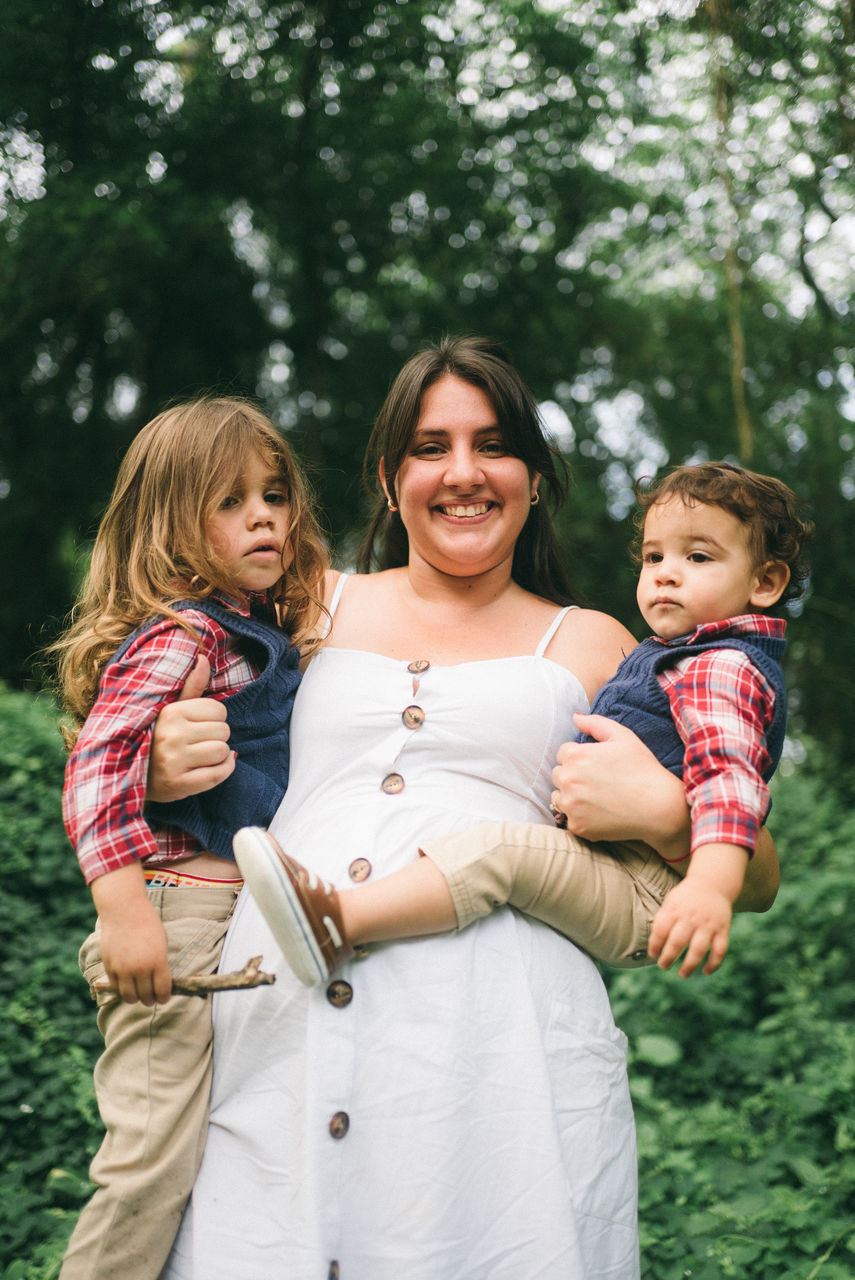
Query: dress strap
{"x": 336, "y": 597}
{"x": 551, "y": 629}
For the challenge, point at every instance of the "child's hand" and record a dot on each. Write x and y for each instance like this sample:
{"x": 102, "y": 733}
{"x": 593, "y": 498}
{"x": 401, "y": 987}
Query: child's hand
{"x": 190, "y": 752}
{"x": 134, "y": 950}
{"x": 695, "y": 914}
{"x": 134, "y": 954}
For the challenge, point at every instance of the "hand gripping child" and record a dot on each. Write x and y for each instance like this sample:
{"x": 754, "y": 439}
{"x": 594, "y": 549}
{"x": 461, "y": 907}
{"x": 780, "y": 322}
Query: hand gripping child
{"x": 719, "y": 547}
{"x": 208, "y": 531}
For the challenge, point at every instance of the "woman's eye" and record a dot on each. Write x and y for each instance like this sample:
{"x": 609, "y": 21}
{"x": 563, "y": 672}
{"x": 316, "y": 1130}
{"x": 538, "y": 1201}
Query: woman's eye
{"x": 496, "y": 448}
{"x": 427, "y": 451}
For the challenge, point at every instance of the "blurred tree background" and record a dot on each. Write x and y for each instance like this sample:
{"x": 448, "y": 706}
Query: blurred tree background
{"x": 652, "y": 203}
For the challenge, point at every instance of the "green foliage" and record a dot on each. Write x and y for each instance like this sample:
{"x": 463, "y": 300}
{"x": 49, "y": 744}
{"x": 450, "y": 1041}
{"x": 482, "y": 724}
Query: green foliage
{"x": 743, "y": 1082}
{"x": 48, "y": 1120}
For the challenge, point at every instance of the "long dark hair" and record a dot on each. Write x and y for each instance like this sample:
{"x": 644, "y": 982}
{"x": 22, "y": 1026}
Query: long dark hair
{"x": 537, "y": 565}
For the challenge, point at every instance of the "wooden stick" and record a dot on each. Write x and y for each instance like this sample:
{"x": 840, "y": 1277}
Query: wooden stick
{"x": 202, "y": 984}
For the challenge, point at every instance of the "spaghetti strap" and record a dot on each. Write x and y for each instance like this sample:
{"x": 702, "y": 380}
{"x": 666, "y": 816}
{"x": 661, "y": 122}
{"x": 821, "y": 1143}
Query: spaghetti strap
{"x": 551, "y": 629}
{"x": 336, "y": 596}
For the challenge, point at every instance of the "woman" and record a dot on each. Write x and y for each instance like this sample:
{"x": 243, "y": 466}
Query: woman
{"x": 455, "y": 1107}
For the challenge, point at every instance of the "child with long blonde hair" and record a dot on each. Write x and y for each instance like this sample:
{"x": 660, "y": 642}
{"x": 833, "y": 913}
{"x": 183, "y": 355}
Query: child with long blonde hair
{"x": 209, "y": 537}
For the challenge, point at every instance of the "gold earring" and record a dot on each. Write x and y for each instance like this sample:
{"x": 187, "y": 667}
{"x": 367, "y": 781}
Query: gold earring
{"x": 535, "y": 498}
{"x": 390, "y": 504}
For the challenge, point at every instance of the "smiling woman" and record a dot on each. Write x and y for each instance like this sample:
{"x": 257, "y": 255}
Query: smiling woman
{"x": 460, "y": 478}
{"x": 455, "y": 1108}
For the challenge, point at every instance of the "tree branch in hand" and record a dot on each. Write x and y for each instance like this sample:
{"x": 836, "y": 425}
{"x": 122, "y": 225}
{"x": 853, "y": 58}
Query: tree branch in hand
{"x": 202, "y": 984}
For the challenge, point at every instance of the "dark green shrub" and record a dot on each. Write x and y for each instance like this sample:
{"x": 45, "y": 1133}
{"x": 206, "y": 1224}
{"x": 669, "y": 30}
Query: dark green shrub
{"x": 48, "y": 1039}
{"x": 743, "y": 1082}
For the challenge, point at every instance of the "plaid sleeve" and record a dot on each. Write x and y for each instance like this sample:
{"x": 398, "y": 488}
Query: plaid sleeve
{"x": 722, "y": 706}
{"x": 105, "y": 778}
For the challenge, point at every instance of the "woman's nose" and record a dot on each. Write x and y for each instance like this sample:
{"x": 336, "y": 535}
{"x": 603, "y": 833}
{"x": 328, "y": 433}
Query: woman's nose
{"x": 463, "y": 467}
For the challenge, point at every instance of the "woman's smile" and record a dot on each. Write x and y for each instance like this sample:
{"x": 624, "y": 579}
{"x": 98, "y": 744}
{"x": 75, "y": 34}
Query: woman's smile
{"x": 468, "y": 511}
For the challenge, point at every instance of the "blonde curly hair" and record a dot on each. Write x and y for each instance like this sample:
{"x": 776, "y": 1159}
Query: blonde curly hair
{"x": 153, "y": 546}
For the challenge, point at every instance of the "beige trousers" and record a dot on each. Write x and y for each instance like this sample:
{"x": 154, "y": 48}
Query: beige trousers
{"x": 602, "y": 896}
{"x": 153, "y": 1084}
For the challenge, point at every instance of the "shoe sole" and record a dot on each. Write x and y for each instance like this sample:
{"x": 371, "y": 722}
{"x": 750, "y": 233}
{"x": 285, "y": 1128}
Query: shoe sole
{"x": 278, "y": 902}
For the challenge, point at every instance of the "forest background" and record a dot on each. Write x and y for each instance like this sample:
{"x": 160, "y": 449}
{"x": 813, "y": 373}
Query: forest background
{"x": 652, "y": 203}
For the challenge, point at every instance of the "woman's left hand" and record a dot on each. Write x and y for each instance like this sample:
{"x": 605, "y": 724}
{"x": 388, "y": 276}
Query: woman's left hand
{"x": 616, "y": 789}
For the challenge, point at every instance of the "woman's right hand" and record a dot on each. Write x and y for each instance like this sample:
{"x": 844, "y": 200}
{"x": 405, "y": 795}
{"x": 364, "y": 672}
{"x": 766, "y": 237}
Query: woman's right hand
{"x": 190, "y": 751}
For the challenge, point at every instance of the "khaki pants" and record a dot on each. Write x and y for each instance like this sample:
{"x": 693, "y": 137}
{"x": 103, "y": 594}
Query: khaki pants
{"x": 602, "y": 896}
{"x": 153, "y": 1084}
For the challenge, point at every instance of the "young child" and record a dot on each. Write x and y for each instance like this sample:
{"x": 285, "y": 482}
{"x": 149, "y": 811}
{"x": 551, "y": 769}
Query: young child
{"x": 706, "y": 694}
{"x": 209, "y": 529}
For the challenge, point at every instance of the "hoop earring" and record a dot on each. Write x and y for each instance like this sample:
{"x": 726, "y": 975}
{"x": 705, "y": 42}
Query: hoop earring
{"x": 535, "y": 498}
{"x": 390, "y": 504}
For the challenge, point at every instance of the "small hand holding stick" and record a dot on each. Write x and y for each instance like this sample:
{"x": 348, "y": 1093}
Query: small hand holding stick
{"x": 203, "y": 984}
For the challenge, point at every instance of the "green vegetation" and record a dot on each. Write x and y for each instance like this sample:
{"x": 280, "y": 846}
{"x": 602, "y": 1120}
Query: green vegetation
{"x": 48, "y": 1038}
{"x": 743, "y": 1083}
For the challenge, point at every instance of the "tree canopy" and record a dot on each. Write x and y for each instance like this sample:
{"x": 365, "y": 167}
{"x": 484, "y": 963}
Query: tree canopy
{"x": 652, "y": 203}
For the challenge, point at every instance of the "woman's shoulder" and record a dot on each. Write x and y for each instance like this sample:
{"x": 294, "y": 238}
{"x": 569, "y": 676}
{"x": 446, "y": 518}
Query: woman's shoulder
{"x": 336, "y": 581}
{"x": 592, "y": 645}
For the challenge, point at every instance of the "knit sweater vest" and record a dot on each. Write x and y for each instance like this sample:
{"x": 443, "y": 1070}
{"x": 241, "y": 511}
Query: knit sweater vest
{"x": 635, "y": 698}
{"x": 259, "y": 717}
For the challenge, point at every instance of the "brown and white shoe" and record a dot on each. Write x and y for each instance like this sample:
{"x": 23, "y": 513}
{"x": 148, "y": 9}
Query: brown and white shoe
{"x": 301, "y": 909}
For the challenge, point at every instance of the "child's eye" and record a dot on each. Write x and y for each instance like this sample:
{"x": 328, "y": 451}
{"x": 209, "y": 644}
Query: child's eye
{"x": 276, "y": 497}
{"x": 699, "y": 557}
{"x": 651, "y": 557}
{"x": 227, "y": 503}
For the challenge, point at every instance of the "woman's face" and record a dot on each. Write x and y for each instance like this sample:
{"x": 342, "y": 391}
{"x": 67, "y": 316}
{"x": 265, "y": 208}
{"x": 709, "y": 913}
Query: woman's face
{"x": 462, "y": 497}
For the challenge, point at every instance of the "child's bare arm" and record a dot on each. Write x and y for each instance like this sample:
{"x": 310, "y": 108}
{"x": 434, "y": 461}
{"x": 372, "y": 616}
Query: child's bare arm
{"x": 695, "y": 915}
{"x": 133, "y": 939}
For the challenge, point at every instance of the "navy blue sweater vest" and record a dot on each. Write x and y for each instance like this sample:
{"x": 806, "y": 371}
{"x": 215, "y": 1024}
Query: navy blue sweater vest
{"x": 259, "y": 716}
{"x": 635, "y": 698}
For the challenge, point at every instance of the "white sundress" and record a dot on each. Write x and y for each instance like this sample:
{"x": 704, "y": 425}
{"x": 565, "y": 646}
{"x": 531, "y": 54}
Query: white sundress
{"x": 448, "y": 1108}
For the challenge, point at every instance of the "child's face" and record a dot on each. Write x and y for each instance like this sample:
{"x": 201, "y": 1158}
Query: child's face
{"x": 696, "y": 567}
{"x": 249, "y": 530}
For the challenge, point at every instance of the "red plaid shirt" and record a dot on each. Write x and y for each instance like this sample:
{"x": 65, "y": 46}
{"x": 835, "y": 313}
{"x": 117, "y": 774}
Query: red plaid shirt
{"x": 106, "y": 774}
{"x": 722, "y": 707}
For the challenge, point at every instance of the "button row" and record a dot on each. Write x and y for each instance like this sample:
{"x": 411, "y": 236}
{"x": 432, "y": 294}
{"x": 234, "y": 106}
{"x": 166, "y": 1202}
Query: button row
{"x": 340, "y": 993}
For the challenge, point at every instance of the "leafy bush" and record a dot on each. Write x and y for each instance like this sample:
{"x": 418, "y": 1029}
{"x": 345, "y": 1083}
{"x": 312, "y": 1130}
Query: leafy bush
{"x": 743, "y": 1082}
{"x": 48, "y": 1039}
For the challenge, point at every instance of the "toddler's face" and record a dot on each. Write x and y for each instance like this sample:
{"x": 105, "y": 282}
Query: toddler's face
{"x": 696, "y": 567}
{"x": 249, "y": 530}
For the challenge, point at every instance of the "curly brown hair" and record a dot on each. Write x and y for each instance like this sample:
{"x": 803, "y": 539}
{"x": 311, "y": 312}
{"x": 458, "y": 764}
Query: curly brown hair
{"x": 772, "y": 513}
